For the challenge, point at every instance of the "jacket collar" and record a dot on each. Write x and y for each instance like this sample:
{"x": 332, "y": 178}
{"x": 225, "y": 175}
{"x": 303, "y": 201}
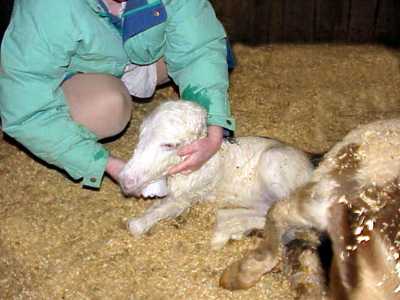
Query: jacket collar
{"x": 131, "y": 4}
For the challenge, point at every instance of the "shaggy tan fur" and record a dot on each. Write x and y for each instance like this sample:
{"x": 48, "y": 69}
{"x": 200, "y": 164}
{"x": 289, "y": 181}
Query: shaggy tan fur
{"x": 354, "y": 195}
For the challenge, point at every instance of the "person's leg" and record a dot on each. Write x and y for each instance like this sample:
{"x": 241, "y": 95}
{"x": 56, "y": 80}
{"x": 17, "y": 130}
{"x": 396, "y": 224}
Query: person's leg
{"x": 162, "y": 73}
{"x": 99, "y": 102}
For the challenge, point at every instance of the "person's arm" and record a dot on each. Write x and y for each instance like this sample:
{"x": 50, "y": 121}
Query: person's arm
{"x": 196, "y": 57}
{"x": 35, "y": 53}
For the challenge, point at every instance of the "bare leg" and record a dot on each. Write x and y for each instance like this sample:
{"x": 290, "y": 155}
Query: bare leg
{"x": 99, "y": 102}
{"x": 162, "y": 73}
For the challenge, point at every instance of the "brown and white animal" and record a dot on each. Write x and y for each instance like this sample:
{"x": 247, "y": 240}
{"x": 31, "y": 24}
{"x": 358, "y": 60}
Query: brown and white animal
{"x": 354, "y": 195}
{"x": 245, "y": 177}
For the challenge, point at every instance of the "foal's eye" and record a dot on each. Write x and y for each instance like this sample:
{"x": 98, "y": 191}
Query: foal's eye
{"x": 169, "y": 146}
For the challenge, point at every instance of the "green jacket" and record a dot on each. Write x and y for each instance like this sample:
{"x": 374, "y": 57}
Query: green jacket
{"x": 47, "y": 40}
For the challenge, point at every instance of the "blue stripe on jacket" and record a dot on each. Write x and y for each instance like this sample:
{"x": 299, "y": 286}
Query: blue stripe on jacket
{"x": 133, "y": 4}
{"x": 139, "y": 16}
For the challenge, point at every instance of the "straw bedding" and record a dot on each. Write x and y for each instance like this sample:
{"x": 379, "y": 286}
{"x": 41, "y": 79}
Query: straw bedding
{"x": 58, "y": 241}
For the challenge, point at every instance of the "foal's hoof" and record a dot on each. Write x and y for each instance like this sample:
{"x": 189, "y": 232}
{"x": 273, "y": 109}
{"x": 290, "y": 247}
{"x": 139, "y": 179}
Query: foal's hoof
{"x": 234, "y": 279}
{"x": 136, "y": 227}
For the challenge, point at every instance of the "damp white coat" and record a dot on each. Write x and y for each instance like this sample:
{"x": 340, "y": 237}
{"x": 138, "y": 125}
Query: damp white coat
{"x": 245, "y": 177}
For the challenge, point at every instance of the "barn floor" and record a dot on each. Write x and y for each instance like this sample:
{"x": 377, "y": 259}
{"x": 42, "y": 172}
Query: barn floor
{"x": 58, "y": 241}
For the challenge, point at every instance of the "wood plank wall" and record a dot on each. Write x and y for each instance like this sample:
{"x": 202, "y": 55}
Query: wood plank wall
{"x": 269, "y": 21}
{"x": 349, "y": 21}
{"x": 5, "y": 12}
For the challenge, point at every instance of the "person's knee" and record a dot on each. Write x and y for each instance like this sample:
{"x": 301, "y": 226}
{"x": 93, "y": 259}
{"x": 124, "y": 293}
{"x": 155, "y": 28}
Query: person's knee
{"x": 100, "y": 102}
{"x": 117, "y": 105}
{"x": 162, "y": 72}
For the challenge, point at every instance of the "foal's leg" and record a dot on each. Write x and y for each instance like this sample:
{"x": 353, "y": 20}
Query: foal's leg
{"x": 234, "y": 224}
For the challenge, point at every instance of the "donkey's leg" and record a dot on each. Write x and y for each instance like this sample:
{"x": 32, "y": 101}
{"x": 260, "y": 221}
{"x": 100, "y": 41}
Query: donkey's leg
{"x": 247, "y": 272}
{"x": 302, "y": 266}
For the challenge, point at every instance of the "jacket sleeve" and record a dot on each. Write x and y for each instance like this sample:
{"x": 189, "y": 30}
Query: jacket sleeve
{"x": 196, "y": 56}
{"x": 35, "y": 53}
